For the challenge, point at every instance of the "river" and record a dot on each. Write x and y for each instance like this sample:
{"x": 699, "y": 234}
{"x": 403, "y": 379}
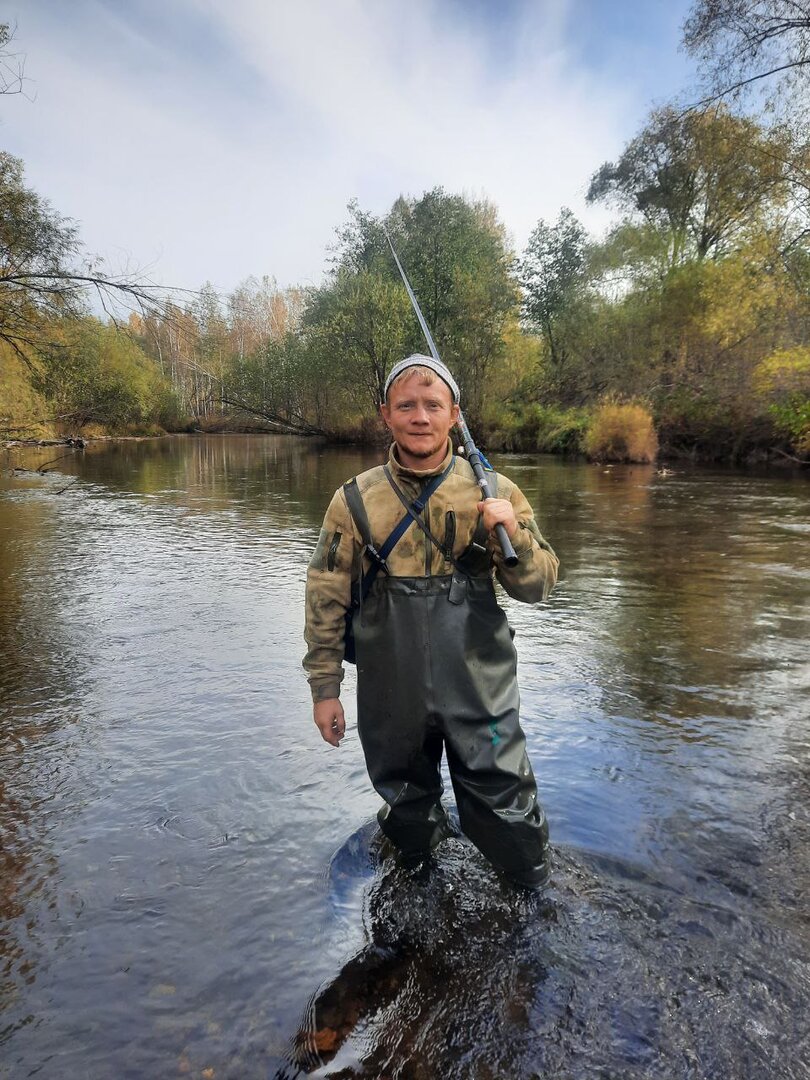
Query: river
{"x": 190, "y": 880}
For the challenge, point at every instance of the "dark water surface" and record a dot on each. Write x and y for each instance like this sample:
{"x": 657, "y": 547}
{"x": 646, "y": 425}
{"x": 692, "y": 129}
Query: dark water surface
{"x": 190, "y": 883}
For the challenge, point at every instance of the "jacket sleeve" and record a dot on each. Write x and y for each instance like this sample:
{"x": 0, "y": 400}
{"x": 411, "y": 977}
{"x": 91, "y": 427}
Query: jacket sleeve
{"x": 328, "y": 598}
{"x": 536, "y": 572}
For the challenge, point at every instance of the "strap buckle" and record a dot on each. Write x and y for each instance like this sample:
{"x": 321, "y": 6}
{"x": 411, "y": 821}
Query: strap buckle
{"x": 376, "y": 557}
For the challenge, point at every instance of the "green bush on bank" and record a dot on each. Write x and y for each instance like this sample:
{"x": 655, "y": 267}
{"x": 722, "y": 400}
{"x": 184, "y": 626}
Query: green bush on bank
{"x": 23, "y": 412}
{"x": 535, "y": 428}
{"x": 93, "y": 375}
{"x": 783, "y": 380}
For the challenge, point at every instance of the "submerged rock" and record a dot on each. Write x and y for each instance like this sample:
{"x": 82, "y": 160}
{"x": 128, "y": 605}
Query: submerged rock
{"x": 608, "y": 972}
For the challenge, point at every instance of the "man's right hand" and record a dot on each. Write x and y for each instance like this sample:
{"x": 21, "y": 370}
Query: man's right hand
{"x": 328, "y": 715}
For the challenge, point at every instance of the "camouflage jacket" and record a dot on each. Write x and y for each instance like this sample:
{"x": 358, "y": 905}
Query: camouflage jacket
{"x": 451, "y": 514}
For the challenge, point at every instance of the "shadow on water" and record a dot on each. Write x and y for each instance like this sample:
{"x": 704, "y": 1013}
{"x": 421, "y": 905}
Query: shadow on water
{"x": 609, "y": 972}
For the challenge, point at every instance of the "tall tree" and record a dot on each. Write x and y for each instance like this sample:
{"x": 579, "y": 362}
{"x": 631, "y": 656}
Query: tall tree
{"x": 259, "y": 311}
{"x": 457, "y": 260}
{"x": 36, "y": 247}
{"x": 43, "y": 277}
{"x": 552, "y": 275}
{"x": 698, "y": 178}
{"x": 363, "y": 319}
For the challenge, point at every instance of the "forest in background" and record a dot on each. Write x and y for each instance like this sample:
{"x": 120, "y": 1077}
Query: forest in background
{"x": 687, "y": 324}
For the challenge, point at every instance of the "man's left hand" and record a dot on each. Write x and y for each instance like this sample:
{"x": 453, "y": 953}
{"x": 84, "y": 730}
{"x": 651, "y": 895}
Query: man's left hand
{"x": 499, "y": 512}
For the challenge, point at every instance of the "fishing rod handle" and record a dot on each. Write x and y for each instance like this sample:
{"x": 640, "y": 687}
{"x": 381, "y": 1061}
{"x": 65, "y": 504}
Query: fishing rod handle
{"x": 509, "y": 554}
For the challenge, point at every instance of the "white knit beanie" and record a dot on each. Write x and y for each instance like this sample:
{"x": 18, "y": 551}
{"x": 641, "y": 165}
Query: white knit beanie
{"x": 417, "y": 360}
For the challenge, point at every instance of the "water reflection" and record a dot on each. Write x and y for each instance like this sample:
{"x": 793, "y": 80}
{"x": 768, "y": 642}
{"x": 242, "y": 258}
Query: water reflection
{"x": 168, "y": 811}
{"x": 283, "y": 476}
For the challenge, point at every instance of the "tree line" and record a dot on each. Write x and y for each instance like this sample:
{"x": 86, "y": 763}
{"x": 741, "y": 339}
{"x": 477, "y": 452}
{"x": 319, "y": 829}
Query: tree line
{"x": 692, "y": 312}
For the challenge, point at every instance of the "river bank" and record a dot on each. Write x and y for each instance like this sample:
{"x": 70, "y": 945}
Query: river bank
{"x": 694, "y": 432}
{"x": 760, "y": 461}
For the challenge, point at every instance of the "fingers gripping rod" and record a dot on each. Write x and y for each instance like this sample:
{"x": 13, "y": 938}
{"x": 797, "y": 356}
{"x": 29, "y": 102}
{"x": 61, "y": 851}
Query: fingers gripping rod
{"x": 470, "y": 449}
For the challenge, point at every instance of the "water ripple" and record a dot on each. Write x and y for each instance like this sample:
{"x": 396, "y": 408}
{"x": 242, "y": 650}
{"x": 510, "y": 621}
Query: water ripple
{"x": 168, "y": 811}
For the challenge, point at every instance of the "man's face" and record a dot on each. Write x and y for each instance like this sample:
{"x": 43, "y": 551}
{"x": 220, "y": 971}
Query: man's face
{"x": 420, "y": 417}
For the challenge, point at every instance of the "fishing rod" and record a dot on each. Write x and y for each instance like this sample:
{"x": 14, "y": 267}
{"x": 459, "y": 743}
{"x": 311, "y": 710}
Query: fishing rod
{"x": 471, "y": 451}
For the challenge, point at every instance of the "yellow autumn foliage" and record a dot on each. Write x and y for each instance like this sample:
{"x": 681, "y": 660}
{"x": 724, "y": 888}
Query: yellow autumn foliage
{"x": 621, "y": 432}
{"x": 783, "y": 380}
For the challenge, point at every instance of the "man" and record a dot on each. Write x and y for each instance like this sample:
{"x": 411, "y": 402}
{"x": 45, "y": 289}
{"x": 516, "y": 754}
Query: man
{"x": 435, "y": 659}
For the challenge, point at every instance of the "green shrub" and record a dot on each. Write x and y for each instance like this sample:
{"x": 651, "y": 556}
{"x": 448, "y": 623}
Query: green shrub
{"x": 499, "y": 427}
{"x": 621, "y": 432}
{"x": 555, "y": 431}
{"x": 95, "y": 374}
{"x": 535, "y": 428}
{"x": 23, "y": 411}
{"x": 784, "y": 381}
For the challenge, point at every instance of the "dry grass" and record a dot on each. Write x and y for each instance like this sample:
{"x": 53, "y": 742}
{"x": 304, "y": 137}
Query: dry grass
{"x": 621, "y": 432}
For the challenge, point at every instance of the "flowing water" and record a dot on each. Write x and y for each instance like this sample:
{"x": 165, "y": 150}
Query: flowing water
{"x": 191, "y": 880}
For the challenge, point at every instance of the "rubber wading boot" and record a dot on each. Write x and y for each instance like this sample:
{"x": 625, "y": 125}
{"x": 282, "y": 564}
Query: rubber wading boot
{"x": 536, "y": 879}
{"x": 412, "y": 858}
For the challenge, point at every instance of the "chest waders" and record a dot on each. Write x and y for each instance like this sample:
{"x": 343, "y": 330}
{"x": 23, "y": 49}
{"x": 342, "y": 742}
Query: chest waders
{"x": 436, "y": 669}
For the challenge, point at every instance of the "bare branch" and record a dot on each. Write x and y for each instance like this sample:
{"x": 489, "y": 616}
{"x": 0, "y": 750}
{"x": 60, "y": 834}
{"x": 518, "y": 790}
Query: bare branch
{"x": 741, "y": 43}
{"x": 734, "y": 87}
{"x": 12, "y": 65}
{"x": 286, "y": 425}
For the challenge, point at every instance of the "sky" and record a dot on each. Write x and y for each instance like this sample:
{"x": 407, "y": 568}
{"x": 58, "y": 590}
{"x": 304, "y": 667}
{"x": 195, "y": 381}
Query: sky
{"x": 211, "y": 140}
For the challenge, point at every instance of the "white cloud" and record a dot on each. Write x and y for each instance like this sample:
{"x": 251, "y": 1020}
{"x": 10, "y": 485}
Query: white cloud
{"x": 417, "y": 104}
{"x": 241, "y": 159}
